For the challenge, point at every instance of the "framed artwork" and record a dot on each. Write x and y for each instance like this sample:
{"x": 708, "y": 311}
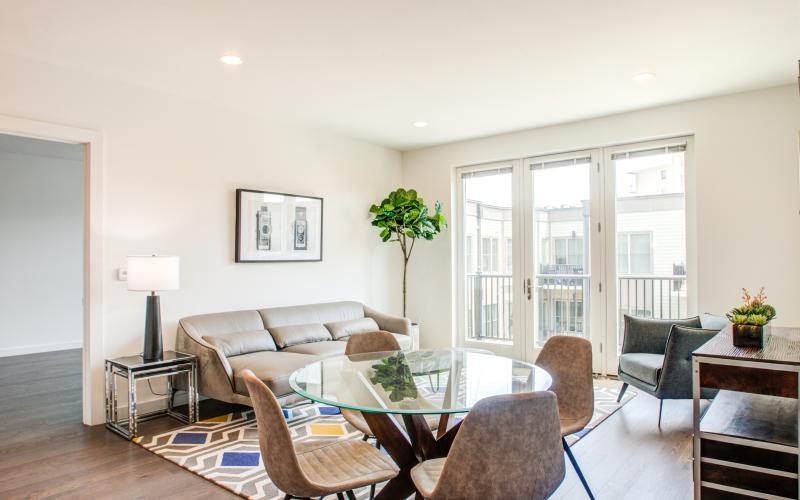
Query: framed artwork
{"x": 277, "y": 227}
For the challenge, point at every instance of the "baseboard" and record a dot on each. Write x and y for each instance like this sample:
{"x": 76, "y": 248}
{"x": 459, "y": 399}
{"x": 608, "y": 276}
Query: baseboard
{"x": 33, "y": 349}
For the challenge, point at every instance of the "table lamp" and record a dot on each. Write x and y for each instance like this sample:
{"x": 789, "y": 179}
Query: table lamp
{"x": 153, "y": 273}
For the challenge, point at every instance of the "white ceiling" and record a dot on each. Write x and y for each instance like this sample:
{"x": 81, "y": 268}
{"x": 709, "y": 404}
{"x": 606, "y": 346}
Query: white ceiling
{"x": 369, "y": 68}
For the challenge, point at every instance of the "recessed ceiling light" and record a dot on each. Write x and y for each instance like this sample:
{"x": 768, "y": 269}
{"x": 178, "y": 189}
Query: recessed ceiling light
{"x": 231, "y": 59}
{"x": 643, "y": 77}
{"x": 420, "y": 124}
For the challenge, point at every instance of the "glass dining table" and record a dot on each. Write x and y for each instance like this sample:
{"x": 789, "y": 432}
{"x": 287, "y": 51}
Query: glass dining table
{"x": 389, "y": 387}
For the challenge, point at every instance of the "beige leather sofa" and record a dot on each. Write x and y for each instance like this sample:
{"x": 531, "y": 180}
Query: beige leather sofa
{"x": 274, "y": 342}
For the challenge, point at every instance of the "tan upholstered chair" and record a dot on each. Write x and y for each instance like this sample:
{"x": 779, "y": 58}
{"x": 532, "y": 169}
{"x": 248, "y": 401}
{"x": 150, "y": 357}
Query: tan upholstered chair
{"x": 508, "y": 447}
{"x": 362, "y": 343}
{"x": 312, "y": 468}
{"x": 569, "y": 361}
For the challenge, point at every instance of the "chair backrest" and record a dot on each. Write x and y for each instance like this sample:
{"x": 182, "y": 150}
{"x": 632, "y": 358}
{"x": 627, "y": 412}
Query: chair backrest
{"x": 508, "y": 446}
{"x": 275, "y": 440}
{"x": 361, "y": 343}
{"x": 569, "y": 361}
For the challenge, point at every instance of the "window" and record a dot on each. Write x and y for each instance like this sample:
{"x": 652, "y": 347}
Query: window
{"x": 468, "y": 252}
{"x": 490, "y": 320}
{"x": 489, "y": 255}
{"x": 507, "y": 257}
{"x": 634, "y": 253}
{"x": 568, "y": 251}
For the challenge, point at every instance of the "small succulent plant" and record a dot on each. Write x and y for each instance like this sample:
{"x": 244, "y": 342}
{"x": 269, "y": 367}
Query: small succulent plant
{"x": 755, "y": 310}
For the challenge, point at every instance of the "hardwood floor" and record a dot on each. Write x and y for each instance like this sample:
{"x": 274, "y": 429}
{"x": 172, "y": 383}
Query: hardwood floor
{"x": 45, "y": 450}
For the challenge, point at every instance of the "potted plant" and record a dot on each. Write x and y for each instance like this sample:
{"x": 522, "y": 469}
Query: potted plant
{"x": 751, "y": 321}
{"x": 403, "y": 217}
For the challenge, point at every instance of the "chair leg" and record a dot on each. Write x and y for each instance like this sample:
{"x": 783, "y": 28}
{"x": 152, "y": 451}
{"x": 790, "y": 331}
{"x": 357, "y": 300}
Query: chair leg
{"x": 288, "y": 497}
{"x": 660, "y": 408}
{"x": 339, "y": 496}
{"x": 365, "y": 438}
{"x": 371, "y": 492}
{"x": 377, "y": 444}
{"x": 622, "y": 391}
{"x": 351, "y": 495}
{"x": 577, "y": 469}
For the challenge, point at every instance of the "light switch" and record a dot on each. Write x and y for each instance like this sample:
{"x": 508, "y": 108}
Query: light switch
{"x": 122, "y": 274}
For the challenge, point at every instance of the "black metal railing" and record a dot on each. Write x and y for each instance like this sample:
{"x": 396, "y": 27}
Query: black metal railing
{"x": 651, "y": 296}
{"x": 489, "y": 300}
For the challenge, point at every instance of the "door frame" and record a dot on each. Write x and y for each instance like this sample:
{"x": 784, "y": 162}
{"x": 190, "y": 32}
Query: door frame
{"x": 92, "y": 363}
{"x": 610, "y": 358}
{"x": 596, "y": 318}
{"x": 517, "y": 349}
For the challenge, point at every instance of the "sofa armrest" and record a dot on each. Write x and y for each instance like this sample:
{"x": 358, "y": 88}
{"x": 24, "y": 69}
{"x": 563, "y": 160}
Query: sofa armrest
{"x": 215, "y": 375}
{"x": 394, "y": 324}
{"x": 676, "y": 372}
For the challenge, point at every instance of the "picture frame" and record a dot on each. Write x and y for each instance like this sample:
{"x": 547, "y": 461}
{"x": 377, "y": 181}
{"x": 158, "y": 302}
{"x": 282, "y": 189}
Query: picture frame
{"x": 278, "y": 227}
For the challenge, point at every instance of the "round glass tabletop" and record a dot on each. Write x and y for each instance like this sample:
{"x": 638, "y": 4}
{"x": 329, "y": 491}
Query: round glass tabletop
{"x": 419, "y": 382}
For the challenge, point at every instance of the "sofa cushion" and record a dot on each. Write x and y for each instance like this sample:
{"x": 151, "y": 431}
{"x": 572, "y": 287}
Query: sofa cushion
{"x": 289, "y": 335}
{"x": 311, "y": 313}
{"x": 273, "y": 368}
{"x": 643, "y": 366}
{"x": 320, "y": 349}
{"x": 714, "y": 321}
{"x": 343, "y": 329}
{"x": 222, "y": 323}
{"x": 234, "y": 344}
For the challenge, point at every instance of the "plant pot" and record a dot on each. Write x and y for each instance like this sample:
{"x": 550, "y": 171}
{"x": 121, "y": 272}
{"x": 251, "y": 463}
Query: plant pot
{"x": 750, "y": 335}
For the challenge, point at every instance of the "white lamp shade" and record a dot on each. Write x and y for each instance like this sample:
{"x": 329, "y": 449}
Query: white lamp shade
{"x": 151, "y": 273}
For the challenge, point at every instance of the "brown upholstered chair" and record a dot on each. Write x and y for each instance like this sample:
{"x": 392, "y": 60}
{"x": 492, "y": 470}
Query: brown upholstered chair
{"x": 507, "y": 447}
{"x": 361, "y": 343}
{"x": 569, "y": 361}
{"x": 312, "y": 468}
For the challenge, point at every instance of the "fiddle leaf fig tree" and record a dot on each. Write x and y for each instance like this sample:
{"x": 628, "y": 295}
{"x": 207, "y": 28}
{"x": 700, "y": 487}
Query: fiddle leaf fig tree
{"x": 403, "y": 217}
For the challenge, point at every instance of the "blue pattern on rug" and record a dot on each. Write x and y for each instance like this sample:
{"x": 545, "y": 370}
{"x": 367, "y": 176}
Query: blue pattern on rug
{"x": 240, "y": 459}
{"x": 189, "y": 438}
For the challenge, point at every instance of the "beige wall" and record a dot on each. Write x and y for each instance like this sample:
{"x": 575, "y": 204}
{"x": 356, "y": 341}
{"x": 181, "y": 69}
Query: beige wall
{"x": 745, "y": 191}
{"x": 171, "y": 169}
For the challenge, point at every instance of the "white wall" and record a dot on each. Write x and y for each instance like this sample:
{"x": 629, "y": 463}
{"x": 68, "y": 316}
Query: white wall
{"x": 746, "y": 194}
{"x": 171, "y": 168}
{"x": 41, "y": 257}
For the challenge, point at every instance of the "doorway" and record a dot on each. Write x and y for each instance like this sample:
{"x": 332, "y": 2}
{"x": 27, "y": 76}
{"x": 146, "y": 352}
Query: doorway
{"x": 567, "y": 244}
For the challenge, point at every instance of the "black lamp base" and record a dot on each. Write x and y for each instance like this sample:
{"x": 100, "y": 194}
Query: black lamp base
{"x": 153, "y": 347}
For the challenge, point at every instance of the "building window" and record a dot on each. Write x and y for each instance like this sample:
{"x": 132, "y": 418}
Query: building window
{"x": 489, "y": 255}
{"x": 468, "y": 254}
{"x": 634, "y": 253}
{"x": 507, "y": 257}
{"x": 568, "y": 251}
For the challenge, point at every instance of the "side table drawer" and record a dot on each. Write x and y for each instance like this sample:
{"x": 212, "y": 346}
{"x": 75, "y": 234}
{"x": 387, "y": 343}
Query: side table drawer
{"x": 749, "y": 480}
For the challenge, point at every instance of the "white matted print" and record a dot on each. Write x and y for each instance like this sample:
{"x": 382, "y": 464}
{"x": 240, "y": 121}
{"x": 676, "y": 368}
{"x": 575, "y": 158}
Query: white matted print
{"x": 277, "y": 227}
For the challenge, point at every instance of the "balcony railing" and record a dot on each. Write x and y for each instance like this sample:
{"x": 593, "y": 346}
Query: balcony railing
{"x": 562, "y": 303}
{"x": 651, "y": 296}
{"x": 489, "y": 301}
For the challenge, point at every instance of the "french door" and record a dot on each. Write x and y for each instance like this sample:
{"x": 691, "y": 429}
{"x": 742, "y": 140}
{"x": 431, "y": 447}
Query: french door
{"x": 567, "y": 244}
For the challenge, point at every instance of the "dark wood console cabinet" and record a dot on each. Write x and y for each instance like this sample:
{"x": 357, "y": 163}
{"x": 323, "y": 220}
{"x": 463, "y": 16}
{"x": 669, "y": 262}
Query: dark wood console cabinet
{"x": 746, "y": 442}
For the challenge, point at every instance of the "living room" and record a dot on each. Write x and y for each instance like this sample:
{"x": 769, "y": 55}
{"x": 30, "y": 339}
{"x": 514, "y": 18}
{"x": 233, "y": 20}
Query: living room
{"x": 193, "y": 117}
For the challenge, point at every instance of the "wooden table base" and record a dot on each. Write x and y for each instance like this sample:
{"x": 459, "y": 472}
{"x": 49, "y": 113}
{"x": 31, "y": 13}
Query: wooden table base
{"x": 408, "y": 447}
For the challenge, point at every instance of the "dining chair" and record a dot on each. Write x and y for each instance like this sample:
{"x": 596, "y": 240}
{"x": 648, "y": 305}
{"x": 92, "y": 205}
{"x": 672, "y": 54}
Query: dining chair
{"x": 507, "y": 447}
{"x": 363, "y": 343}
{"x": 568, "y": 360}
{"x": 315, "y": 468}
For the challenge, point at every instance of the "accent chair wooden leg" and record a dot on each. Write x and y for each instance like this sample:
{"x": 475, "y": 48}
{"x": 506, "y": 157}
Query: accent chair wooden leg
{"x": 577, "y": 469}
{"x": 622, "y": 391}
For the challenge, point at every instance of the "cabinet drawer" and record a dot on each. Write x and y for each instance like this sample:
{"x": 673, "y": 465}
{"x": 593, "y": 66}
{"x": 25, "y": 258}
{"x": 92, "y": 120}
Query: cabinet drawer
{"x": 748, "y": 455}
{"x": 749, "y": 480}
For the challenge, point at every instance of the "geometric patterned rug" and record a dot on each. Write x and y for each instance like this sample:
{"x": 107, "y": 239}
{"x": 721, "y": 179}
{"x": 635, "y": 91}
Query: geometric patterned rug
{"x": 225, "y": 449}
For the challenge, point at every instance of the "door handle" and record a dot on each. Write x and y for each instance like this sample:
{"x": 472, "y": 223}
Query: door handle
{"x": 528, "y": 288}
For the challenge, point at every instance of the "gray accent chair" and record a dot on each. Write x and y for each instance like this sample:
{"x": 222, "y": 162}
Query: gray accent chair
{"x": 657, "y": 356}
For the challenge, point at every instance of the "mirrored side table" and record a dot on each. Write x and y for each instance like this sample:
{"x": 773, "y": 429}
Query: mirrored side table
{"x": 133, "y": 369}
